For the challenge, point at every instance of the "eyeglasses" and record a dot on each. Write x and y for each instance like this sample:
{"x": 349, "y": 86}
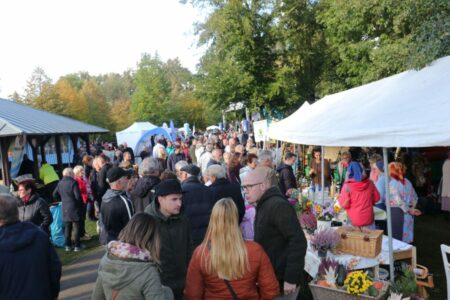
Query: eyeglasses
{"x": 249, "y": 186}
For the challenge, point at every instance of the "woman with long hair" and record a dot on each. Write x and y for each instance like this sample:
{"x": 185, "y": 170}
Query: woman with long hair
{"x": 403, "y": 200}
{"x": 225, "y": 266}
{"x": 129, "y": 269}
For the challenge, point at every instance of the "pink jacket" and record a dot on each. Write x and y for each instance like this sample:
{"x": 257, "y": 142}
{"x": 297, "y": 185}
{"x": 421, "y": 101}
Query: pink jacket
{"x": 358, "y": 199}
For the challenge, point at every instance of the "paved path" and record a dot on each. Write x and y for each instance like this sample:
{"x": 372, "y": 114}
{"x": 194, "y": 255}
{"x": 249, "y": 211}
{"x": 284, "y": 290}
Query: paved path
{"x": 78, "y": 279}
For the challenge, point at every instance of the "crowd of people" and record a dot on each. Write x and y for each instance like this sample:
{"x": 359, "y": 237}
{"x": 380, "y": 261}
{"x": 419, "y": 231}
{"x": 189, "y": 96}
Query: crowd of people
{"x": 207, "y": 211}
{"x": 203, "y": 218}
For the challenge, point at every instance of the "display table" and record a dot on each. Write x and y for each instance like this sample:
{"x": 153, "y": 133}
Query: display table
{"x": 402, "y": 251}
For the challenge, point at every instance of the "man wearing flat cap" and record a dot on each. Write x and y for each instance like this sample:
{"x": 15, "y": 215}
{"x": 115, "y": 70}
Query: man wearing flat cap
{"x": 197, "y": 202}
{"x": 175, "y": 233}
{"x": 116, "y": 208}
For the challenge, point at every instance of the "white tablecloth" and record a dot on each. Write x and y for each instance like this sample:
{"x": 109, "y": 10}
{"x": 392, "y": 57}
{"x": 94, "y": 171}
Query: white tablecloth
{"x": 312, "y": 260}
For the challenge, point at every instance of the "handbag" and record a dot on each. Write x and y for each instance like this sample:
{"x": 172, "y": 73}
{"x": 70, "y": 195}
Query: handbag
{"x": 233, "y": 294}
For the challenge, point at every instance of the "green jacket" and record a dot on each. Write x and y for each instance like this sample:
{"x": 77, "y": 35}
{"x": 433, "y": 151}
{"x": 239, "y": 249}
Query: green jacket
{"x": 134, "y": 279}
{"x": 47, "y": 174}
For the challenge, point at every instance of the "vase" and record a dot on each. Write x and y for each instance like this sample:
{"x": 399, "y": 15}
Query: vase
{"x": 322, "y": 253}
{"x": 321, "y": 225}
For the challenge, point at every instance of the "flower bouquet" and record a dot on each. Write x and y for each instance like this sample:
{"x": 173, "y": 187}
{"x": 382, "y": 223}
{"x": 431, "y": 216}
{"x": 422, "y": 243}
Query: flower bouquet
{"x": 302, "y": 204}
{"x": 325, "y": 240}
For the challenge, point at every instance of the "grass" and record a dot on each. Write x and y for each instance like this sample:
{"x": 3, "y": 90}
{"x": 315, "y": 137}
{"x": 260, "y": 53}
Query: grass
{"x": 69, "y": 257}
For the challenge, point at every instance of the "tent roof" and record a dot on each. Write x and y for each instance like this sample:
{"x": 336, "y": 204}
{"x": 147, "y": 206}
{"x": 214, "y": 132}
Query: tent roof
{"x": 410, "y": 109}
{"x": 17, "y": 119}
{"x": 138, "y": 127}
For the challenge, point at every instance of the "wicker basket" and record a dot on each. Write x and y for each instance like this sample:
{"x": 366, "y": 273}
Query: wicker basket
{"x": 325, "y": 293}
{"x": 366, "y": 243}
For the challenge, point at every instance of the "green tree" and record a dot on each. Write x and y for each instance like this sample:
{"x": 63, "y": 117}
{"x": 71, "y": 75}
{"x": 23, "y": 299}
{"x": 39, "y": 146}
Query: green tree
{"x": 98, "y": 109}
{"x": 151, "y": 99}
{"x": 38, "y": 81}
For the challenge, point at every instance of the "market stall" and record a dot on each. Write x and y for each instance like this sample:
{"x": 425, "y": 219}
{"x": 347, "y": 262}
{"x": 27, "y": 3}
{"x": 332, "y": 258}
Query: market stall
{"x": 409, "y": 109}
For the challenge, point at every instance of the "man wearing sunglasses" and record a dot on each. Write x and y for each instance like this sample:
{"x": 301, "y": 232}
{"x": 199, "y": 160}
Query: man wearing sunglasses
{"x": 277, "y": 229}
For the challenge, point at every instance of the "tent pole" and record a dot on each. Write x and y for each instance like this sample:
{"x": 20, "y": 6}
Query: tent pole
{"x": 389, "y": 220}
{"x": 322, "y": 165}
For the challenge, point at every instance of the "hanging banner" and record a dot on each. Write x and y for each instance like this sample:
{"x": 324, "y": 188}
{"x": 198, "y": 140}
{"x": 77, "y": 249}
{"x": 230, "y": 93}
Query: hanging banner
{"x": 260, "y": 129}
{"x": 16, "y": 155}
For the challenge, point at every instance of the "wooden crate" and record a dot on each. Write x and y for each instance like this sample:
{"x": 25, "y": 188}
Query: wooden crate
{"x": 366, "y": 243}
{"x": 324, "y": 293}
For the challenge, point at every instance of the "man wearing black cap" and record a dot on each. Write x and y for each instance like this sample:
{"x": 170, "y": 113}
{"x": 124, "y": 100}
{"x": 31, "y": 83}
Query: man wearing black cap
{"x": 197, "y": 202}
{"x": 116, "y": 208}
{"x": 175, "y": 233}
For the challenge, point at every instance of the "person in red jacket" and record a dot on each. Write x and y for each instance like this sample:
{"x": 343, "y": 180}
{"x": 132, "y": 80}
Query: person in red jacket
{"x": 358, "y": 196}
{"x": 78, "y": 171}
{"x": 225, "y": 266}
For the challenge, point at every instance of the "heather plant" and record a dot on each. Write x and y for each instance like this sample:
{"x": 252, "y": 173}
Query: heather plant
{"x": 308, "y": 222}
{"x": 326, "y": 239}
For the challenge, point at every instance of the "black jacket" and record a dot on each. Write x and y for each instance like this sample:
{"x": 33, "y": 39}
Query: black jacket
{"x": 278, "y": 231}
{"x": 222, "y": 188}
{"x": 68, "y": 192}
{"x": 286, "y": 178}
{"x": 176, "y": 247}
{"x": 173, "y": 159}
{"x": 115, "y": 214}
{"x": 101, "y": 184}
{"x": 37, "y": 212}
{"x": 197, "y": 204}
{"x": 29, "y": 265}
{"x": 141, "y": 195}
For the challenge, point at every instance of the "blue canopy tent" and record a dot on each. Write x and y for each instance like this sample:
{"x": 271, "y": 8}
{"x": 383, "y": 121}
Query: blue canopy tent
{"x": 144, "y": 142}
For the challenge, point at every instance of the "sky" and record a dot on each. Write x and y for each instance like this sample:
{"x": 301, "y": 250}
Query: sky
{"x": 97, "y": 36}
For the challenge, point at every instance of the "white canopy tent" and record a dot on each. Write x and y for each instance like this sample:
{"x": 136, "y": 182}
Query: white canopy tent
{"x": 410, "y": 109}
{"x": 281, "y": 130}
{"x": 132, "y": 134}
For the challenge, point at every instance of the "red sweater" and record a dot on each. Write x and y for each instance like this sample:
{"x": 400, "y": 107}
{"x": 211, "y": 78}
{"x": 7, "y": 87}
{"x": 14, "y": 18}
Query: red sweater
{"x": 358, "y": 199}
{"x": 201, "y": 285}
{"x": 83, "y": 188}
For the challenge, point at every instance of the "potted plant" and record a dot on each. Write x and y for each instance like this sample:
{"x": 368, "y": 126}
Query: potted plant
{"x": 325, "y": 240}
{"x": 308, "y": 222}
{"x": 325, "y": 214}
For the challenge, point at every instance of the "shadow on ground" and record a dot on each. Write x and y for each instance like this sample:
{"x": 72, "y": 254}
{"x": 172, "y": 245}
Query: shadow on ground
{"x": 78, "y": 279}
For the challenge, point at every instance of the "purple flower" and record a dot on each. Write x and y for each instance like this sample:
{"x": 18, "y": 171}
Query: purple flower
{"x": 325, "y": 239}
{"x": 308, "y": 222}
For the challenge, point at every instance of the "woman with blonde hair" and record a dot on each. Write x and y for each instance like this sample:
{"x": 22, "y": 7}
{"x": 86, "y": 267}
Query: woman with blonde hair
{"x": 129, "y": 269}
{"x": 225, "y": 266}
{"x": 403, "y": 200}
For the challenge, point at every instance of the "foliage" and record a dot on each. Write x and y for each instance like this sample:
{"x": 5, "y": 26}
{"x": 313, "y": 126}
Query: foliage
{"x": 406, "y": 283}
{"x": 357, "y": 282}
{"x": 326, "y": 264}
{"x": 326, "y": 239}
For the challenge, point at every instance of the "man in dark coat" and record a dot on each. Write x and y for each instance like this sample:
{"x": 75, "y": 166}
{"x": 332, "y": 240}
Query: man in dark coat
{"x": 197, "y": 202}
{"x": 142, "y": 194}
{"x": 101, "y": 185}
{"x": 116, "y": 209}
{"x": 222, "y": 188}
{"x": 175, "y": 233}
{"x": 277, "y": 229}
{"x": 68, "y": 192}
{"x": 29, "y": 265}
{"x": 286, "y": 177}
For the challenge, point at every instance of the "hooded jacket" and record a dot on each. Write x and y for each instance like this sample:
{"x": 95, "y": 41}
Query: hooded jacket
{"x": 358, "y": 198}
{"x": 115, "y": 214}
{"x": 29, "y": 265}
{"x": 197, "y": 203}
{"x": 142, "y": 195}
{"x": 176, "y": 247}
{"x": 286, "y": 178}
{"x": 278, "y": 231}
{"x": 130, "y": 277}
{"x": 36, "y": 211}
